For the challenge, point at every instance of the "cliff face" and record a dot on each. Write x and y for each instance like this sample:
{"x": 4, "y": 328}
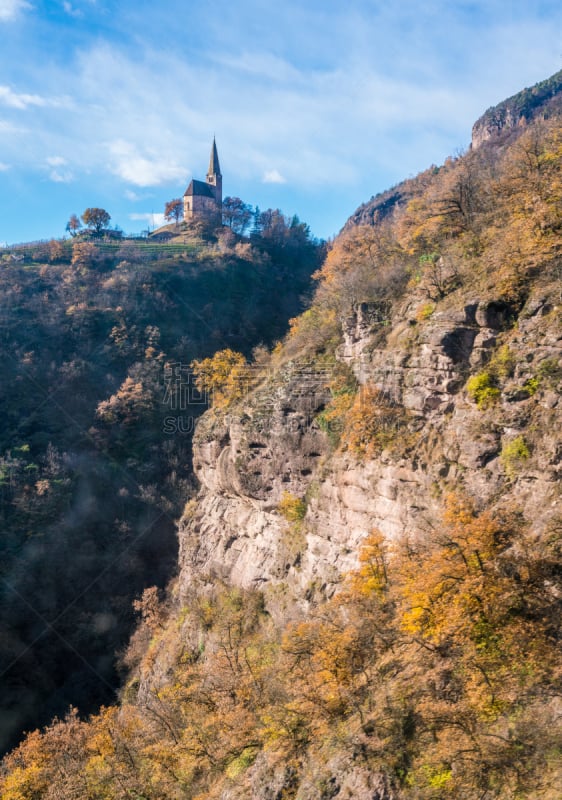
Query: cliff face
{"x": 247, "y": 458}
{"x": 427, "y": 373}
{"x": 541, "y": 100}
{"x": 273, "y": 445}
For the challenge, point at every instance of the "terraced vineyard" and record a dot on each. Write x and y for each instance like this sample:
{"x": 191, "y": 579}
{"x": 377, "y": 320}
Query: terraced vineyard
{"x": 130, "y": 249}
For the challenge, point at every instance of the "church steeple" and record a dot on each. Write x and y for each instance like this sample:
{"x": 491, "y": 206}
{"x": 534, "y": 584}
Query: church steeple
{"x": 214, "y": 177}
{"x": 214, "y": 166}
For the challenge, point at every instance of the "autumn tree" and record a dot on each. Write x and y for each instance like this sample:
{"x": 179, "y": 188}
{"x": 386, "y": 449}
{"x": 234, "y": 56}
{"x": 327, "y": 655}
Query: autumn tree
{"x": 236, "y": 214}
{"x": 223, "y": 378}
{"x": 73, "y": 225}
{"x": 131, "y": 403}
{"x": 96, "y": 219}
{"x": 173, "y": 210}
{"x": 474, "y": 600}
{"x": 56, "y": 251}
{"x": 364, "y": 264}
{"x": 84, "y": 255}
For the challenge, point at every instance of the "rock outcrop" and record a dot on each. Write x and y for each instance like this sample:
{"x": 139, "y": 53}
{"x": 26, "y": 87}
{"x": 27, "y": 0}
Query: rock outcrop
{"x": 540, "y": 100}
{"x": 272, "y": 443}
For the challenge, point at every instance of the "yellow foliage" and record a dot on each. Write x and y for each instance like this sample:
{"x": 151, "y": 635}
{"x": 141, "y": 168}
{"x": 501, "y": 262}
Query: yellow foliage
{"x": 372, "y": 576}
{"x": 365, "y": 263}
{"x": 316, "y": 329}
{"x": 425, "y": 312}
{"x": 224, "y": 378}
{"x": 373, "y": 423}
{"x": 459, "y": 593}
{"x": 291, "y": 508}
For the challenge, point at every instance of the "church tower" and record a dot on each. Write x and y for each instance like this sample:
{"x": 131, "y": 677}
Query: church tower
{"x": 214, "y": 177}
{"x": 204, "y": 198}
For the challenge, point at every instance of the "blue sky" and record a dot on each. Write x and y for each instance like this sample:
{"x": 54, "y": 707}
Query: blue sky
{"x": 316, "y": 105}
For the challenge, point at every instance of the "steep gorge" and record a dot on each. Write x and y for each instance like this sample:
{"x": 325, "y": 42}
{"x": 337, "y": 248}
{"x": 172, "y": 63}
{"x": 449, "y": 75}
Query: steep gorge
{"x": 368, "y": 600}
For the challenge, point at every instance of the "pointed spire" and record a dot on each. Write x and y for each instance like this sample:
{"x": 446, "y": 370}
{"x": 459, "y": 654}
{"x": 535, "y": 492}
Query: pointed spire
{"x": 214, "y": 166}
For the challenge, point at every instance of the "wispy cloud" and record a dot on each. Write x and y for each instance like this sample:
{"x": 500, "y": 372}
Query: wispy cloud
{"x": 152, "y": 169}
{"x": 8, "y": 128}
{"x": 71, "y": 10}
{"x": 58, "y": 170}
{"x": 22, "y": 101}
{"x": 14, "y": 100}
{"x": 61, "y": 177}
{"x": 262, "y": 66}
{"x": 339, "y": 120}
{"x": 135, "y": 197}
{"x": 273, "y": 176}
{"x": 4, "y": 167}
{"x": 9, "y": 9}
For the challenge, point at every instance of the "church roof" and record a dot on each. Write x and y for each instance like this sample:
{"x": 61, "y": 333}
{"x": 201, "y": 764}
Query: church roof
{"x": 200, "y": 189}
{"x": 214, "y": 166}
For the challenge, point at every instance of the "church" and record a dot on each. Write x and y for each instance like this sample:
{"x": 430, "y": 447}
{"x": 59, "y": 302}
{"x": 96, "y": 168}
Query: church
{"x": 204, "y": 198}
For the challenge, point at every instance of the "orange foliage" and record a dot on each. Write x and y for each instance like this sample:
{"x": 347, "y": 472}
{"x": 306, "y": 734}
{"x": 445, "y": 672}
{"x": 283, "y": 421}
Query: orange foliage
{"x": 437, "y": 661}
{"x": 372, "y": 423}
{"x": 365, "y": 263}
{"x": 224, "y": 378}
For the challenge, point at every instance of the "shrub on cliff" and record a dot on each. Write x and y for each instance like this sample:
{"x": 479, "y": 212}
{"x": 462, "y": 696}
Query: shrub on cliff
{"x": 222, "y": 378}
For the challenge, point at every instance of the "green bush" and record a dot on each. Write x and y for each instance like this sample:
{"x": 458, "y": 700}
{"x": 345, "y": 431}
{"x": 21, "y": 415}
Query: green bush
{"x": 531, "y": 385}
{"x": 549, "y": 370}
{"x": 483, "y": 390}
{"x": 502, "y": 364}
{"x": 292, "y": 508}
{"x": 513, "y": 454}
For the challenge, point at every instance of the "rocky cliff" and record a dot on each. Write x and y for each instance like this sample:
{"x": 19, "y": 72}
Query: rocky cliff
{"x": 541, "y": 100}
{"x": 427, "y": 372}
{"x": 249, "y": 456}
{"x": 505, "y": 456}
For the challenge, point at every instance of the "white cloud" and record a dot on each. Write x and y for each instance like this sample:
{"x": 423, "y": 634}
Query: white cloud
{"x": 9, "y": 9}
{"x": 56, "y": 161}
{"x": 57, "y": 171}
{"x": 4, "y": 167}
{"x": 58, "y": 176}
{"x": 9, "y": 128}
{"x": 264, "y": 66}
{"x": 14, "y": 100}
{"x": 273, "y": 176}
{"x": 134, "y": 197}
{"x": 71, "y": 11}
{"x": 23, "y": 101}
{"x": 141, "y": 170}
{"x": 153, "y": 220}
